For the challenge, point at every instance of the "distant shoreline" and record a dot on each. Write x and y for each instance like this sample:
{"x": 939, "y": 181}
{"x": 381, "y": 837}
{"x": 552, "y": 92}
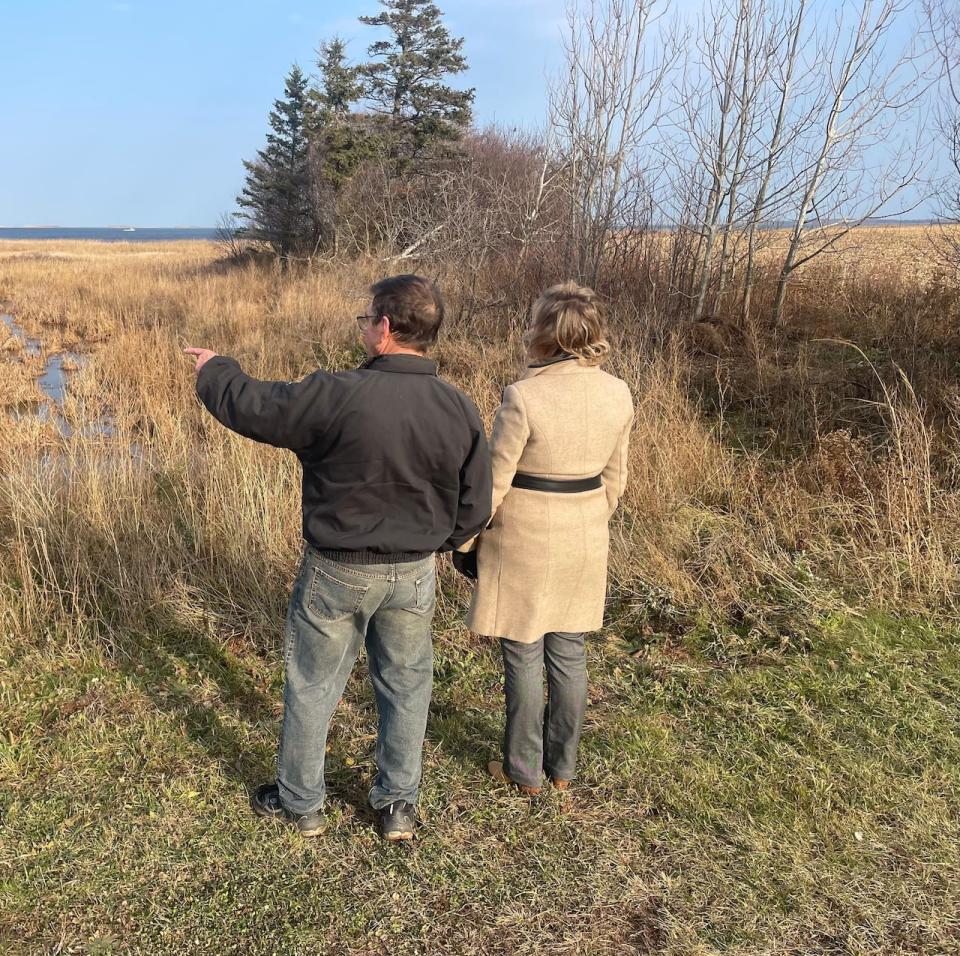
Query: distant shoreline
{"x": 195, "y": 234}
{"x": 107, "y": 234}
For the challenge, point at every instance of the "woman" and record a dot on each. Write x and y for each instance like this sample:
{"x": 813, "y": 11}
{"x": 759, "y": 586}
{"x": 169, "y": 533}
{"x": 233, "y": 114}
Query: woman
{"x": 559, "y": 452}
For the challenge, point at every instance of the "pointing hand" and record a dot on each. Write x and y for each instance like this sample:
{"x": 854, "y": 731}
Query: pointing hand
{"x": 202, "y": 355}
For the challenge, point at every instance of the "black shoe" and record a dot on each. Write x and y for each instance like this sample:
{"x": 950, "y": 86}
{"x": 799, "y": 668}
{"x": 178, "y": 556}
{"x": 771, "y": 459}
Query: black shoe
{"x": 397, "y": 821}
{"x": 266, "y": 803}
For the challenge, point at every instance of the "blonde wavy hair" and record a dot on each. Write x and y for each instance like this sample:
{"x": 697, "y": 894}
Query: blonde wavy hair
{"x": 566, "y": 320}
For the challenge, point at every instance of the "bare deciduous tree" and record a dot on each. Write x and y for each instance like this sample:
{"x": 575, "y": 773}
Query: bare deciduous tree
{"x": 602, "y": 108}
{"x": 943, "y": 23}
{"x": 783, "y": 51}
{"x": 864, "y": 106}
{"x": 739, "y": 117}
{"x": 785, "y": 118}
{"x": 721, "y": 140}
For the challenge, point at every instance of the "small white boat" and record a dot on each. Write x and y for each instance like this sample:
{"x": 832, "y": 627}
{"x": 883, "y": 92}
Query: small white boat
{"x": 130, "y": 229}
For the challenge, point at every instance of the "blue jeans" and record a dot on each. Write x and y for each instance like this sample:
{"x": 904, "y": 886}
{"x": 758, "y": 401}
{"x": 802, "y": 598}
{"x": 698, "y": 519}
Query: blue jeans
{"x": 333, "y": 610}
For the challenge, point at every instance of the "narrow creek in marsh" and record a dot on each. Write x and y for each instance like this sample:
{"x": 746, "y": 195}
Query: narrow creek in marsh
{"x": 53, "y": 383}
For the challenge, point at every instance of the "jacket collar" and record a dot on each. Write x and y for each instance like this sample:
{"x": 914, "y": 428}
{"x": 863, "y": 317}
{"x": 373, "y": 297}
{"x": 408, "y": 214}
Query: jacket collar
{"x": 553, "y": 361}
{"x": 413, "y": 364}
{"x": 565, "y": 365}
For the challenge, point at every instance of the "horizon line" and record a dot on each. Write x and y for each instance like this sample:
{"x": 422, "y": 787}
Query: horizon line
{"x": 127, "y": 225}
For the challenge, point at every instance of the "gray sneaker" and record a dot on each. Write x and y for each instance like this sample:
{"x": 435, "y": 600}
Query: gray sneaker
{"x": 397, "y": 821}
{"x": 266, "y": 803}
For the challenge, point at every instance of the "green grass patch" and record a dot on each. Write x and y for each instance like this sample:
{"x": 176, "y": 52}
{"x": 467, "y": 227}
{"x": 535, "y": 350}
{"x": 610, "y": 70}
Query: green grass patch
{"x": 799, "y": 802}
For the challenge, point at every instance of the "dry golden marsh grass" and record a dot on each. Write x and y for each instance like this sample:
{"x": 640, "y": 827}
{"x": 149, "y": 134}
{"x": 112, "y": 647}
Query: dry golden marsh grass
{"x": 706, "y": 523}
{"x": 770, "y": 760}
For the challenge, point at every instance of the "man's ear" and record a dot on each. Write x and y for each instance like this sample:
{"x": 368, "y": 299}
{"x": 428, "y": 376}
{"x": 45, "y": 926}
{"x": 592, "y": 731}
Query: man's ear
{"x": 385, "y": 328}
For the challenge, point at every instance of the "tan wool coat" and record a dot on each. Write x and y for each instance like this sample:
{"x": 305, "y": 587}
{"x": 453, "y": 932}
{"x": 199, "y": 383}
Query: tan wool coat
{"x": 542, "y": 562}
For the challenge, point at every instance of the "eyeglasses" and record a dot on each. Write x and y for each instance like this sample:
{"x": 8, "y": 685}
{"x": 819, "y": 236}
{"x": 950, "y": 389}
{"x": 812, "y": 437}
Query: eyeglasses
{"x": 363, "y": 321}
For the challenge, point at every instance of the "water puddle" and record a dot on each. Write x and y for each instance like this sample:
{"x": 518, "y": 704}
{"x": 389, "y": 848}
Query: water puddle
{"x": 30, "y": 346}
{"x": 53, "y": 383}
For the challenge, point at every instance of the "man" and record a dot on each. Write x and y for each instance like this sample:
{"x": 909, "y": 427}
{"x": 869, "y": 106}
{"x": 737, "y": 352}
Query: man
{"x": 395, "y": 468}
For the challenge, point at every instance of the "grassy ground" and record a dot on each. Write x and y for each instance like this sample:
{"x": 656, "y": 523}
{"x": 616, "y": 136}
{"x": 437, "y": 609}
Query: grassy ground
{"x": 771, "y": 763}
{"x": 803, "y": 803}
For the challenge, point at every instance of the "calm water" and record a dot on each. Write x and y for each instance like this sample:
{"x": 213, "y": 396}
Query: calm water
{"x": 53, "y": 383}
{"x": 108, "y": 235}
{"x": 169, "y": 235}
{"x": 31, "y": 346}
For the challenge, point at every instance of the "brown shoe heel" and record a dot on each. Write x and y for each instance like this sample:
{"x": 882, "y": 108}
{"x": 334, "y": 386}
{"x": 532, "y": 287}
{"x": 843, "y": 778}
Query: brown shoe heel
{"x": 495, "y": 769}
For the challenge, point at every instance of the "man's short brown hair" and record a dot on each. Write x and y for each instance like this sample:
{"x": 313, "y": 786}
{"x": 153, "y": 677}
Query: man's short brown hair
{"x": 414, "y": 307}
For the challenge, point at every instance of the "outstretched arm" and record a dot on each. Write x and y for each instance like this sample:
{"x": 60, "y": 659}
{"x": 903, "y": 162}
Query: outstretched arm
{"x": 276, "y": 413}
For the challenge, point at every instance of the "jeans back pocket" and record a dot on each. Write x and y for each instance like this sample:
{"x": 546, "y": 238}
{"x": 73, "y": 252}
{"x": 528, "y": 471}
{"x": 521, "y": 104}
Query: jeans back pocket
{"x": 331, "y": 599}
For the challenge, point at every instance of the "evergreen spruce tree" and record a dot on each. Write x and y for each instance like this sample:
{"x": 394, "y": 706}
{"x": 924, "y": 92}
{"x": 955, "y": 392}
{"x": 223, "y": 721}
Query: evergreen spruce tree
{"x": 340, "y": 85}
{"x": 404, "y": 80}
{"x": 278, "y": 200}
{"x": 341, "y": 139}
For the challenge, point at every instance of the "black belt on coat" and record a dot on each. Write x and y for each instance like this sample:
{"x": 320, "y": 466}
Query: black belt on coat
{"x": 563, "y": 485}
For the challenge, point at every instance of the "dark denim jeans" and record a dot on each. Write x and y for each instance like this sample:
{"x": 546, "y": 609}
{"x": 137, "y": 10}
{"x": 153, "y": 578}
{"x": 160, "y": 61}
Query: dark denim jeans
{"x": 543, "y": 737}
{"x": 334, "y": 609}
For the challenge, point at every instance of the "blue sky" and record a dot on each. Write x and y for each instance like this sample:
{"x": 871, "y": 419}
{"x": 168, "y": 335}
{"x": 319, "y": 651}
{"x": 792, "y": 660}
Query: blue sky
{"x": 140, "y": 111}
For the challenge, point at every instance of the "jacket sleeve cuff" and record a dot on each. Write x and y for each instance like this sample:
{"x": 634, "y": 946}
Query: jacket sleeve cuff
{"x": 217, "y": 362}
{"x": 207, "y": 376}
